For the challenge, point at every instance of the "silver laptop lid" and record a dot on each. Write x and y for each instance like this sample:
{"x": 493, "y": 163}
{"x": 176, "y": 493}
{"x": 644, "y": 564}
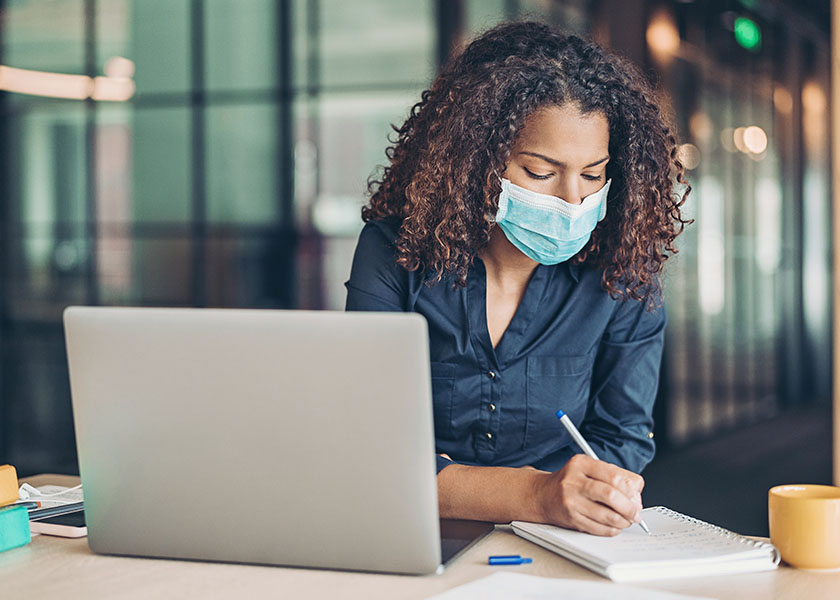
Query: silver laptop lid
{"x": 279, "y": 437}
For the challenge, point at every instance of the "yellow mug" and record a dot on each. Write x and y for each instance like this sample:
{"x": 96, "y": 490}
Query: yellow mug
{"x": 805, "y": 524}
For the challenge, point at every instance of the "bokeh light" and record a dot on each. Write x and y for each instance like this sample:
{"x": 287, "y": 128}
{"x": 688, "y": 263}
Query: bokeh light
{"x": 813, "y": 97}
{"x": 689, "y": 156}
{"x": 755, "y": 139}
{"x": 727, "y": 139}
{"x": 662, "y": 35}
{"x": 782, "y": 100}
{"x": 119, "y": 67}
{"x": 701, "y": 126}
{"x": 738, "y": 139}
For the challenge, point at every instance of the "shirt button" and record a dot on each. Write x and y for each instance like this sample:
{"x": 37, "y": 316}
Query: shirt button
{"x": 491, "y": 375}
{"x": 650, "y": 435}
{"x": 489, "y": 435}
{"x": 492, "y": 407}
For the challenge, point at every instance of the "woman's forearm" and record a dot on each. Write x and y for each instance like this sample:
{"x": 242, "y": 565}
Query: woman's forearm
{"x": 586, "y": 494}
{"x": 497, "y": 494}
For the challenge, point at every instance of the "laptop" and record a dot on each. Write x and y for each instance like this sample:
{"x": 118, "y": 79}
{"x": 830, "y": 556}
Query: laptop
{"x": 295, "y": 438}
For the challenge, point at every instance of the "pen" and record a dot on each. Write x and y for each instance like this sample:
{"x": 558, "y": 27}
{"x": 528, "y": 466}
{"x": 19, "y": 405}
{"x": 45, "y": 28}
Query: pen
{"x": 587, "y": 449}
{"x": 513, "y": 559}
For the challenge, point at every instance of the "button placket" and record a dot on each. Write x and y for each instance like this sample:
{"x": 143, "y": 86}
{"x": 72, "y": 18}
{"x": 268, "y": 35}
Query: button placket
{"x": 491, "y": 405}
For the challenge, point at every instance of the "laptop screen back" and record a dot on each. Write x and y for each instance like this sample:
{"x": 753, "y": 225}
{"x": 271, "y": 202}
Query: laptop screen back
{"x": 278, "y": 437}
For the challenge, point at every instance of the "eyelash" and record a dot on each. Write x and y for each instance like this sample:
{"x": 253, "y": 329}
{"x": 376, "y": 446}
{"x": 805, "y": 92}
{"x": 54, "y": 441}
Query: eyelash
{"x": 533, "y": 175}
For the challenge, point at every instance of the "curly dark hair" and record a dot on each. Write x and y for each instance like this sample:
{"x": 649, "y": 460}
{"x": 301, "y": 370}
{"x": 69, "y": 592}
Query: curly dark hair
{"x": 443, "y": 181}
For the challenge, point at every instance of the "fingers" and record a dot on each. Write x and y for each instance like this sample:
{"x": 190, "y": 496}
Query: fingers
{"x": 612, "y": 507}
{"x": 587, "y": 525}
{"x": 595, "y": 497}
{"x": 571, "y": 506}
{"x": 631, "y": 484}
{"x": 616, "y": 488}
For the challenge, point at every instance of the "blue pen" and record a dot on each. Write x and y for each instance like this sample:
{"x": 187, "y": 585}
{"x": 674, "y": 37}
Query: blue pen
{"x": 513, "y": 559}
{"x": 587, "y": 449}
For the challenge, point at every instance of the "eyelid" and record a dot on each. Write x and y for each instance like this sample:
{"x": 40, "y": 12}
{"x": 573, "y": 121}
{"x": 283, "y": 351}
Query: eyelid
{"x": 536, "y": 175}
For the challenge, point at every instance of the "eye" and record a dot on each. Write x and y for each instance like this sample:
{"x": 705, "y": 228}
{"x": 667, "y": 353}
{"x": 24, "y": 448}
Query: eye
{"x": 533, "y": 175}
{"x": 592, "y": 177}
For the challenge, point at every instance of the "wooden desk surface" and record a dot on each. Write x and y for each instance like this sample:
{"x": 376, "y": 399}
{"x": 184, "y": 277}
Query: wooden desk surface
{"x": 51, "y": 567}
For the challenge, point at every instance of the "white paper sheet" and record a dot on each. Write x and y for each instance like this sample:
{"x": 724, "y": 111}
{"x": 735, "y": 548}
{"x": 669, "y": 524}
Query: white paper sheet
{"x": 51, "y": 501}
{"x": 519, "y": 586}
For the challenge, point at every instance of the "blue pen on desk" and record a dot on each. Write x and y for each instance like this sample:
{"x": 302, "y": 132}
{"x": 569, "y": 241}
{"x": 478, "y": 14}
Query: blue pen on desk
{"x": 513, "y": 559}
{"x": 587, "y": 449}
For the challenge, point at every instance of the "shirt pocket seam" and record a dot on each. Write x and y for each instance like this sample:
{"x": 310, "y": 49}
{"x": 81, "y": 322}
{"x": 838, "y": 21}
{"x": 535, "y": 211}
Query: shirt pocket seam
{"x": 557, "y": 365}
{"x": 548, "y": 366}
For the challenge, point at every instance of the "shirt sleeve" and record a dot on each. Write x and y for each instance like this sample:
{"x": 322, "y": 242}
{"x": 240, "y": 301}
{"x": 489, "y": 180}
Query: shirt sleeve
{"x": 619, "y": 422}
{"x": 377, "y": 283}
{"x": 619, "y": 419}
{"x": 442, "y": 463}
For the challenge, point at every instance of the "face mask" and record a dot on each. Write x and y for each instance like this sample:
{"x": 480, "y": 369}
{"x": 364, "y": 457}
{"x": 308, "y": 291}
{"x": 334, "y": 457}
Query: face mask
{"x": 546, "y": 228}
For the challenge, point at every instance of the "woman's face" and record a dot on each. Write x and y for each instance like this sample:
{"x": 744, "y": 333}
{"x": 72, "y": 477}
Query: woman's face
{"x": 561, "y": 152}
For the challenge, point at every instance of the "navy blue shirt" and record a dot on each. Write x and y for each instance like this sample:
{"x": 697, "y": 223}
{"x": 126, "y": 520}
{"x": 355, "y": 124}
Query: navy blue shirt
{"x": 569, "y": 346}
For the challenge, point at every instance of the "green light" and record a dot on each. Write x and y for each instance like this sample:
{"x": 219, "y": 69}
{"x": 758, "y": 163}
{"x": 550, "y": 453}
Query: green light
{"x": 748, "y": 34}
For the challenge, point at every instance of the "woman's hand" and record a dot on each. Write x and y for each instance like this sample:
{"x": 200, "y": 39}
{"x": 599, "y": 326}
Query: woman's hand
{"x": 591, "y": 496}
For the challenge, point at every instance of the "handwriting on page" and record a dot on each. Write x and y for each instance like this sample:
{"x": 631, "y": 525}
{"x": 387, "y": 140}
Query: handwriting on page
{"x": 671, "y": 538}
{"x": 670, "y": 543}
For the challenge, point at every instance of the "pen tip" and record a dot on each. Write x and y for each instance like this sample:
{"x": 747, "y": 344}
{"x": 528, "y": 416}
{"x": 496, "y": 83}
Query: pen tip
{"x": 560, "y": 414}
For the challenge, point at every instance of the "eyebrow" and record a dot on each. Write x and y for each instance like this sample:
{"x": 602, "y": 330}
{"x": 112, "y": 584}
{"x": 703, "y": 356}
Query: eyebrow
{"x": 561, "y": 164}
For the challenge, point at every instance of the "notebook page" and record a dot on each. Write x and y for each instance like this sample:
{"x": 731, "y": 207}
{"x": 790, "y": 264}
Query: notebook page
{"x": 674, "y": 537}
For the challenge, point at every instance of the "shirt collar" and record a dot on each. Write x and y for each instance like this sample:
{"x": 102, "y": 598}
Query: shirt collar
{"x": 574, "y": 269}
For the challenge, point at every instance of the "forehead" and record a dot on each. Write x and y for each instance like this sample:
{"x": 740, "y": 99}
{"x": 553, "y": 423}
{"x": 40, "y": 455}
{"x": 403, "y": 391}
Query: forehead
{"x": 565, "y": 134}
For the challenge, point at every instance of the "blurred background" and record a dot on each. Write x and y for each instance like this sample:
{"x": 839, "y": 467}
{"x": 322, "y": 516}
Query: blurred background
{"x": 214, "y": 153}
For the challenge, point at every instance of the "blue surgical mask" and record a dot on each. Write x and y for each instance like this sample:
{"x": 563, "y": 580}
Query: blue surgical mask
{"x": 546, "y": 228}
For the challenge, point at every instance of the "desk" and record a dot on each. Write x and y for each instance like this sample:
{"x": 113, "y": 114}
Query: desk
{"x": 51, "y": 567}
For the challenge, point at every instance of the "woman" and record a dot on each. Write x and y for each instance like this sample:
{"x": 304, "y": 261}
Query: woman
{"x": 526, "y": 213}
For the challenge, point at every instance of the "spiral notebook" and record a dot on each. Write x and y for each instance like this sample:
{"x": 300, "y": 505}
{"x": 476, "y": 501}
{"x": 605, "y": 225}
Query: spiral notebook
{"x": 680, "y": 546}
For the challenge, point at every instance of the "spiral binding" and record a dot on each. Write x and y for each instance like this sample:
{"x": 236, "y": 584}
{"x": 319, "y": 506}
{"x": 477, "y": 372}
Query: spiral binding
{"x": 720, "y": 531}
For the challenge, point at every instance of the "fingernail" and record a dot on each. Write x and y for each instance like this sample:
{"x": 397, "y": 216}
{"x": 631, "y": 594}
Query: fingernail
{"x": 637, "y": 518}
